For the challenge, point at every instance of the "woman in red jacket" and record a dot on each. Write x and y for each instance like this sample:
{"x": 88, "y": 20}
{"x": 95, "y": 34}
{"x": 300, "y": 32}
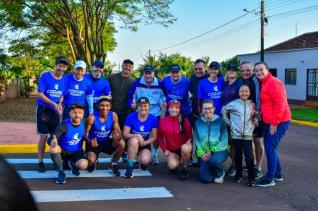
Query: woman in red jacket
{"x": 276, "y": 116}
{"x": 174, "y": 137}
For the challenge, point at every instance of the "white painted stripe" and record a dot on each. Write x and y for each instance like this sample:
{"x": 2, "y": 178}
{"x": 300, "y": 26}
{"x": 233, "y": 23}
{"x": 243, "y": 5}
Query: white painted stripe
{"x": 34, "y": 161}
{"x": 84, "y": 173}
{"x": 100, "y": 194}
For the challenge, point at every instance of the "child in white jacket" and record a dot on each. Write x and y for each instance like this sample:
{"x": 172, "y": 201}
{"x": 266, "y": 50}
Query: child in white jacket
{"x": 240, "y": 115}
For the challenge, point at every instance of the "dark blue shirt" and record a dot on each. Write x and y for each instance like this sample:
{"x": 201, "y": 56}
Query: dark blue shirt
{"x": 100, "y": 87}
{"x": 230, "y": 92}
{"x": 72, "y": 140}
{"x": 77, "y": 90}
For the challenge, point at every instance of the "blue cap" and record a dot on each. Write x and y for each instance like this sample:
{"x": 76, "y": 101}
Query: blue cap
{"x": 174, "y": 67}
{"x": 148, "y": 68}
{"x": 98, "y": 63}
{"x": 232, "y": 67}
{"x": 215, "y": 65}
{"x": 143, "y": 100}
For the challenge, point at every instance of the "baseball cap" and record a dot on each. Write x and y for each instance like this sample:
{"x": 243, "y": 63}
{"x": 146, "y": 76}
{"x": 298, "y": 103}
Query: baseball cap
{"x": 148, "y": 68}
{"x": 61, "y": 59}
{"x": 143, "y": 100}
{"x": 80, "y": 63}
{"x": 231, "y": 67}
{"x": 174, "y": 67}
{"x": 215, "y": 65}
{"x": 76, "y": 106}
{"x": 98, "y": 63}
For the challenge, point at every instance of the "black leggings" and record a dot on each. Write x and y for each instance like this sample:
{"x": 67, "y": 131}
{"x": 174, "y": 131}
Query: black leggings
{"x": 246, "y": 146}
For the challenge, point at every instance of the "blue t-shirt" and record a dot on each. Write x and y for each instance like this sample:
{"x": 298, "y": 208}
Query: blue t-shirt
{"x": 77, "y": 90}
{"x": 100, "y": 87}
{"x": 213, "y": 91}
{"x": 72, "y": 140}
{"x": 178, "y": 91}
{"x": 143, "y": 128}
{"x": 101, "y": 130}
{"x": 52, "y": 88}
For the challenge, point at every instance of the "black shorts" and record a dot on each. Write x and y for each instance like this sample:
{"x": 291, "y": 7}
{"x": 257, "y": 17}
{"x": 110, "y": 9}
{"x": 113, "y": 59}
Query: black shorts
{"x": 46, "y": 120}
{"x": 148, "y": 146}
{"x": 105, "y": 147}
{"x": 178, "y": 152}
{"x": 73, "y": 156}
{"x": 258, "y": 131}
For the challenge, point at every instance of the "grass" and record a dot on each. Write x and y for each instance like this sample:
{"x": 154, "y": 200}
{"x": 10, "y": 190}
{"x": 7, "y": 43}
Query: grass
{"x": 305, "y": 114}
{"x": 18, "y": 110}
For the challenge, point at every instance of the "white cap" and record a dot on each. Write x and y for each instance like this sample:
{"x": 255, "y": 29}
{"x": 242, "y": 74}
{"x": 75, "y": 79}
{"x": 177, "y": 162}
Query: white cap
{"x": 81, "y": 64}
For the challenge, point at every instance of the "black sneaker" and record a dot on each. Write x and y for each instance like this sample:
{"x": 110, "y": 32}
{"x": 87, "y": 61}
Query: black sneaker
{"x": 143, "y": 167}
{"x": 60, "y": 178}
{"x": 124, "y": 157}
{"x": 237, "y": 179}
{"x": 115, "y": 170}
{"x": 129, "y": 172}
{"x": 74, "y": 168}
{"x": 258, "y": 173}
{"x": 279, "y": 178}
{"x": 231, "y": 172}
{"x": 264, "y": 182}
{"x": 251, "y": 183}
{"x": 41, "y": 167}
{"x": 173, "y": 171}
{"x": 91, "y": 168}
{"x": 65, "y": 165}
{"x": 184, "y": 174}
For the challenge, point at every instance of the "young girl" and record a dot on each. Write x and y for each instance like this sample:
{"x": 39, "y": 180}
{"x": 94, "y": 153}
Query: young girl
{"x": 240, "y": 115}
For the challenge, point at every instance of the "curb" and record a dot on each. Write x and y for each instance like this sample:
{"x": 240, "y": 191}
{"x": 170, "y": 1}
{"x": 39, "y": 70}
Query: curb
{"x": 20, "y": 148}
{"x": 305, "y": 123}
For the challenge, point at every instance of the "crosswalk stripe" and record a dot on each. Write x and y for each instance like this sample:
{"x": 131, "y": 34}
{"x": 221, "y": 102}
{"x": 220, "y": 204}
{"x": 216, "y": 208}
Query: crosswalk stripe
{"x": 84, "y": 173}
{"x": 100, "y": 194}
{"x": 47, "y": 160}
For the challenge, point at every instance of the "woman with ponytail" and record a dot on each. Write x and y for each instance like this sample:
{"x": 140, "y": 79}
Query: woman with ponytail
{"x": 175, "y": 137}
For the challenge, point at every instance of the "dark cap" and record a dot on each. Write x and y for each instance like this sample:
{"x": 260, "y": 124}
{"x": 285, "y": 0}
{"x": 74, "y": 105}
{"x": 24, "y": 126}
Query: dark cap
{"x": 174, "y": 67}
{"x": 143, "y": 100}
{"x": 215, "y": 65}
{"x": 103, "y": 99}
{"x": 76, "y": 106}
{"x": 128, "y": 61}
{"x": 62, "y": 60}
{"x": 149, "y": 68}
{"x": 231, "y": 67}
{"x": 98, "y": 63}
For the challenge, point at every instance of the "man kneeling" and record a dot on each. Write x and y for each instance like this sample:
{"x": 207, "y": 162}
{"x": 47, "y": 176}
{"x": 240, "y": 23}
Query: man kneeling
{"x": 99, "y": 128}
{"x": 68, "y": 140}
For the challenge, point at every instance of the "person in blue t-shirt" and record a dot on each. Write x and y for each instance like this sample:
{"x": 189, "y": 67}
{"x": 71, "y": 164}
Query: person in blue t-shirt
{"x": 52, "y": 87}
{"x": 140, "y": 131}
{"x": 104, "y": 135}
{"x": 211, "y": 88}
{"x": 177, "y": 87}
{"x": 79, "y": 89}
{"x": 100, "y": 85}
{"x": 68, "y": 141}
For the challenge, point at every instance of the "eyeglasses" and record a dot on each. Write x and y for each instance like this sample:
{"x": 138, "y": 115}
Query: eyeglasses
{"x": 242, "y": 70}
{"x": 208, "y": 108}
{"x": 198, "y": 68}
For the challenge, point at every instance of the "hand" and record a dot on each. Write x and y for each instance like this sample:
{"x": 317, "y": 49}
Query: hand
{"x": 133, "y": 106}
{"x": 272, "y": 129}
{"x": 58, "y": 108}
{"x": 167, "y": 153}
{"x": 139, "y": 137}
{"x": 94, "y": 143}
{"x": 116, "y": 134}
{"x": 53, "y": 142}
{"x": 206, "y": 156}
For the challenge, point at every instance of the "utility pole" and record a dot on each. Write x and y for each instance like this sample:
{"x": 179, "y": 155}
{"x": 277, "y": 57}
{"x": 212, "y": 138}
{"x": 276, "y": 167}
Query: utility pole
{"x": 262, "y": 30}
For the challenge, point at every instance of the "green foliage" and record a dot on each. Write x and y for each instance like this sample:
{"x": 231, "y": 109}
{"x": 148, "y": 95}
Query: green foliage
{"x": 233, "y": 60}
{"x": 305, "y": 114}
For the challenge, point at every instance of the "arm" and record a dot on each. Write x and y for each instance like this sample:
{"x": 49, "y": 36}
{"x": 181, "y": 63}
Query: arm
{"x": 226, "y": 110}
{"x": 88, "y": 126}
{"x": 60, "y": 130}
{"x": 152, "y": 137}
{"x": 223, "y": 135}
{"x": 278, "y": 99}
{"x": 116, "y": 133}
{"x": 200, "y": 152}
{"x": 188, "y": 131}
{"x": 90, "y": 99}
{"x": 160, "y": 137}
{"x": 132, "y": 96}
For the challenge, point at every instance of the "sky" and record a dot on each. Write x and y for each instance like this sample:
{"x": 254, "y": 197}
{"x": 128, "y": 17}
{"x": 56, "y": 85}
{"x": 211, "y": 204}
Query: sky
{"x": 195, "y": 17}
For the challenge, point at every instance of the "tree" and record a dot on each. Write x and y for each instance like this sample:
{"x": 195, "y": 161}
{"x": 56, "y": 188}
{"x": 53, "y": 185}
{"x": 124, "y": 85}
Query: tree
{"x": 87, "y": 25}
{"x": 233, "y": 60}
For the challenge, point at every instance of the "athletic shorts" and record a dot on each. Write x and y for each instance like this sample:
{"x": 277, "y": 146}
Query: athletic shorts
{"x": 46, "y": 120}
{"x": 148, "y": 146}
{"x": 178, "y": 152}
{"x": 258, "y": 131}
{"x": 105, "y": 147}
{"x": 73, "y": 156}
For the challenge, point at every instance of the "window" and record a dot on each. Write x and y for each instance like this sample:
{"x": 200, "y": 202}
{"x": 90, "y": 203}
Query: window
{"x": 290, "y": 76}
{"x": 312, "y": 84}
{"x": 273, "y": 71}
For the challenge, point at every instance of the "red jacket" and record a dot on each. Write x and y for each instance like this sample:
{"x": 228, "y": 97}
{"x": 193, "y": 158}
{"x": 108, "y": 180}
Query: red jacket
{"x": 169, "y": 136}
{"x": 274, "y": 105}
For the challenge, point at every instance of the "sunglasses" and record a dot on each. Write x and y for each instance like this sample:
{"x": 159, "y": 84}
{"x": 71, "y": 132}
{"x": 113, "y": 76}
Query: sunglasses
{"x": 198, "y": 68}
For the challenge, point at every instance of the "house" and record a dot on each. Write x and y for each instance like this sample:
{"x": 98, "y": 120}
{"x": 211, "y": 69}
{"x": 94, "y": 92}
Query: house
{"x": 295, "y": 63}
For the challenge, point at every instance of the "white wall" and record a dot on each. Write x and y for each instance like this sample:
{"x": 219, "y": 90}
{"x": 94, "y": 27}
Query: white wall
{"x": 299, "y": 59}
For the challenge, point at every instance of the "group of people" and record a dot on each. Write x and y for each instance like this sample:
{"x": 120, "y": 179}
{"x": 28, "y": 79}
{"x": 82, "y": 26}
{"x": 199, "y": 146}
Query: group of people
{"x": 209, "y": 115}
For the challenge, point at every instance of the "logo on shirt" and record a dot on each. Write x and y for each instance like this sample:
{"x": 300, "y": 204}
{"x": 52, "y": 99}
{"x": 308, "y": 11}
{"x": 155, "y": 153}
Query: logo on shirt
{"x": 75, "y": 140}
{"x": 215, "y": 88}
{"x": 76, "y": 86}
{"x": 56, "y": 86}
{"x": 102, "y": 128}
{"x": 142, "y": 128}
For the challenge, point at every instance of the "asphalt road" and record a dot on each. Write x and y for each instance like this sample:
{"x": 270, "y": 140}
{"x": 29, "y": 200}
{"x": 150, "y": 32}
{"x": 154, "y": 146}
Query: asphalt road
{"x": 298, "y": 191}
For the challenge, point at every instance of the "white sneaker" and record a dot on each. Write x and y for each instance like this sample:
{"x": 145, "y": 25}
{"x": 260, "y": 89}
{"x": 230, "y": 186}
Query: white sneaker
{"x": 220, "y": 179}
